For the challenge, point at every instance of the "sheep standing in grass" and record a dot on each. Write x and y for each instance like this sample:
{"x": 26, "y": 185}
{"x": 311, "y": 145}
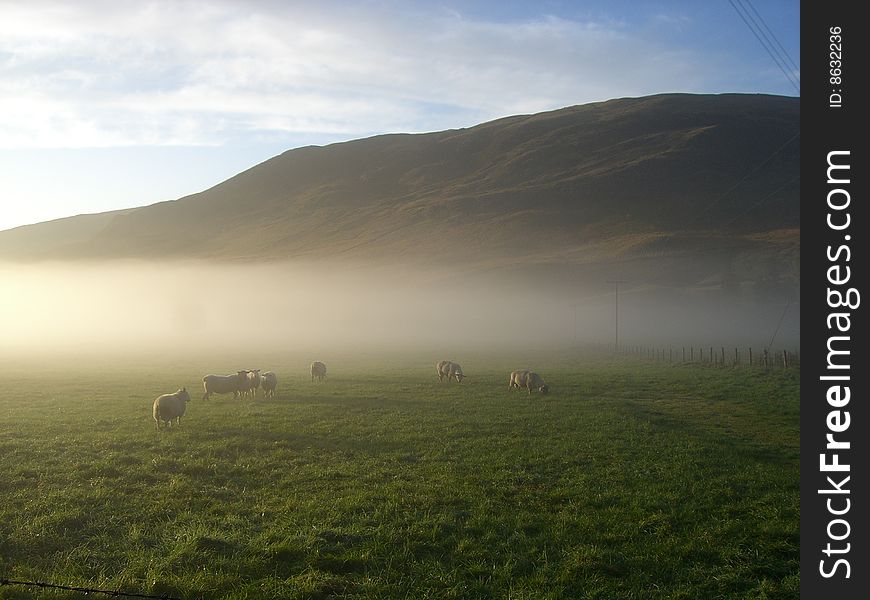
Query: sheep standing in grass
{"x": 252, "y": 382}
{"x": 170, "y": 406}
{"x": 318, "y": 370}
{"x": 269, "y": 382}
{"x": 449, "y": 369}
{"x": 224, "y": 384}
{"x": 529, "y": 380}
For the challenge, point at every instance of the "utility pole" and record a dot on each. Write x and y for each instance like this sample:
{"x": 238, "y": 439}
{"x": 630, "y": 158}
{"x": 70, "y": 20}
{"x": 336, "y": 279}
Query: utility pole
{"x": 616, "y": 282}
{"x": 574, "y": 306}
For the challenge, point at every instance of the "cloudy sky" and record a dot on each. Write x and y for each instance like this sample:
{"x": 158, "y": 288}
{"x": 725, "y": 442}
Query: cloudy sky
{"x": 107, "y": 104}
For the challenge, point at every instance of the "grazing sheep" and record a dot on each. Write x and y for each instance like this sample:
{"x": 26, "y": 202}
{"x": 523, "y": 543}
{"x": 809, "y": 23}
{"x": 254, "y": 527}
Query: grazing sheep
{"x": 441, "y": 369}
{"x": 529, "y": 380}
{"x": 170, "y": 406}
{"x": 224, "y": 384}
{"x": 318, "y": 370}
{"x": 515, "y": 378}
{"x": 449, "y": 369}
{"x": 269, "y": 382}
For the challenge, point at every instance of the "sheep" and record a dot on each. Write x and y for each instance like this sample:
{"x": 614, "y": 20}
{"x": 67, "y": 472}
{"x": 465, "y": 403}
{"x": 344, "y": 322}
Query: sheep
{"x": 170, "y": 406}
{"x": 318, "y": 370}
{"x": 529, "y": 380}
{"x": 224, "y": 384}
{"x": 449, "y": 369}
{"x": 269, "y": 382}
{"x": 441, "y": 369}
{"x": 252, "y": 382}
{"x": 515, "y": 378}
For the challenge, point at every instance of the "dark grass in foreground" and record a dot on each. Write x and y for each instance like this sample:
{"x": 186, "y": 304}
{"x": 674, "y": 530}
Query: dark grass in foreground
{"x": 627, "y": 481}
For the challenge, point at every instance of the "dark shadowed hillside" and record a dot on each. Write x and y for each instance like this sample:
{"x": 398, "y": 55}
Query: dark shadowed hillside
{"x": 676, "y": 189}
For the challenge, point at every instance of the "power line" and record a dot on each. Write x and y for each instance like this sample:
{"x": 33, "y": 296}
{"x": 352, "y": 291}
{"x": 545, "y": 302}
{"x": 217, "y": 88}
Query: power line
{"x": 760, "y": 27}
{"x": 778, "y": 325}
{"x": 83, "y": 590}
{"x": 762, "y": 38}
{"x": 755, "y": 29}
{"x": 785, "y": 53}
{"x": 742, "y": 179}
{"x": 616, "y": 282}
{"x": 762, "y": 201}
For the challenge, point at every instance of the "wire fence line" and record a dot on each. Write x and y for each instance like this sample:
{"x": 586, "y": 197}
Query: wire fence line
{"x": 82, "y": 590}
{"x": 722, "y": 356}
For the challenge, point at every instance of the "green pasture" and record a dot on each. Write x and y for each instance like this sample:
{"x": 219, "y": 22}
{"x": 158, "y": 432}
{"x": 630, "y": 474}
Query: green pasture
{"x": 629, "y": 480}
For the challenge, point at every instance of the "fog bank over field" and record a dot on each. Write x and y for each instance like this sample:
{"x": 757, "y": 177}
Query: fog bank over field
{"x": 128, "y": 307}
{"x": 497, "y": 237}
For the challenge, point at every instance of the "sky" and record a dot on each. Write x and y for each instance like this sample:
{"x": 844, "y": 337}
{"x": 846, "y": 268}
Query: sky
{"x": 107, "y": 105}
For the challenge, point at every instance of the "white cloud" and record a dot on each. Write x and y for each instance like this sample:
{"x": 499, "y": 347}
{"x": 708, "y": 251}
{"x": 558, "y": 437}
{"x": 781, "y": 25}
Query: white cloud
{"x": 109, "y": 73}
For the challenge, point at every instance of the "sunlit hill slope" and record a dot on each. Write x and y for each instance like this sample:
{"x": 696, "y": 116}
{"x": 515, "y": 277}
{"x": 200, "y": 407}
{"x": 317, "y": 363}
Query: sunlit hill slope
{"x": 676, "y": 188}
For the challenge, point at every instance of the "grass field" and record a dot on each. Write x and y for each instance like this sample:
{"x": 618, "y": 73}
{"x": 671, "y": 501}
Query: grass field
{"x": 629, "y": 480}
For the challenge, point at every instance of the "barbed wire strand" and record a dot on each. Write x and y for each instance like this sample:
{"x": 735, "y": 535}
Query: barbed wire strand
{"x": 83, "y": 590}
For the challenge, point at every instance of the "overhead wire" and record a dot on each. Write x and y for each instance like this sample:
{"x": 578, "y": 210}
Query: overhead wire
{"x": 791, "y": 63}
{"x": 746, "y": 17}
{"x": 728, "y": 192}
{"x": 762, "y": 201}
{"x": 768, "y": 35}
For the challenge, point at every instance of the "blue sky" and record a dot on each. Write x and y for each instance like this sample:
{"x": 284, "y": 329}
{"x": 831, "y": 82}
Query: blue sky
{"x": 107, "y": 105}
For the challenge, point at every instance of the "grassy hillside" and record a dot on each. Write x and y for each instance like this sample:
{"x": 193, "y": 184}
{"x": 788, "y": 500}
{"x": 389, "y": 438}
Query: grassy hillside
{"x": 663, "y": 176}
{"x": 627, "y": 481}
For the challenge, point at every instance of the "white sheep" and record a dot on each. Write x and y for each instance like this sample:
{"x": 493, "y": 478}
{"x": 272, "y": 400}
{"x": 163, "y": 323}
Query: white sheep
{"x": 529, "y": 380}
{"x": 170, "y": 406}
{"x": 269, "y": 383}
{"x": 224, "y": 384}
{"x": 449, "y": 369}
{"x": 252, "y": 382}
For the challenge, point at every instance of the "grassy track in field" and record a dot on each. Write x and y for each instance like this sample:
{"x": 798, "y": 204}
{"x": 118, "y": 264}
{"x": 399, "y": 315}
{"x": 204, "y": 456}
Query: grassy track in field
{"x": 627, "y": 481}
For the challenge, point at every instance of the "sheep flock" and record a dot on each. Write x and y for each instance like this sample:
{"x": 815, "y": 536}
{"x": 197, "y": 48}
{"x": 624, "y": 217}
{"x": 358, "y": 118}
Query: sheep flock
{"x": 247, "y": 383}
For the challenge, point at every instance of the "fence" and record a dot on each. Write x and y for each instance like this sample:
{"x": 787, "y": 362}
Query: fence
{"x": 81, "y": 590}
{"x": 723, "y": 356}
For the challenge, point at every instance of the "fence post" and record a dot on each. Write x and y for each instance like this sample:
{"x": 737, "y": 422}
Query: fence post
{"x": 785, "y": 359}
{"x": 750, "y": 356}
{"x": 736, "y": 357}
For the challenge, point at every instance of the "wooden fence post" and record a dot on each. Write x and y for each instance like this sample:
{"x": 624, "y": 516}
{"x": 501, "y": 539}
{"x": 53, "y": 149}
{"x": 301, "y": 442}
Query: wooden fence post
{"x": 750, "y": 356}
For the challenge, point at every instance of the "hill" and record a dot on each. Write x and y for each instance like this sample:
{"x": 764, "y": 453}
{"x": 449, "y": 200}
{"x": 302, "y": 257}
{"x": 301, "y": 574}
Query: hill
{"x": 681, "y": 189}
